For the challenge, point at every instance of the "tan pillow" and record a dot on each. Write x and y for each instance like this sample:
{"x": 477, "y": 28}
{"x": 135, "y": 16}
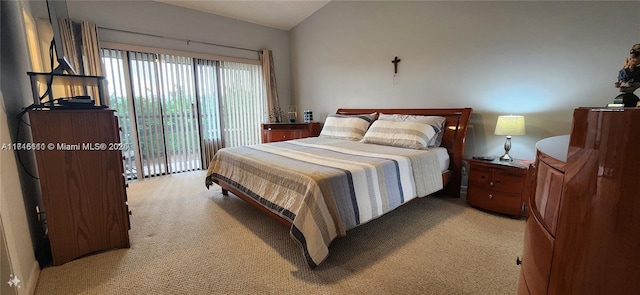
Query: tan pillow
{"x": 437, "y": 122}
{"x": 401, "y": 134}
{"x": 352, "y": 127}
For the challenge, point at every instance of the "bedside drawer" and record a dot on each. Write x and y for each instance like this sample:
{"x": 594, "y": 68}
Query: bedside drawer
{"x": 504, "y": 180}
{"x": 282, "y": 135}
{"x": 507, "y": 203}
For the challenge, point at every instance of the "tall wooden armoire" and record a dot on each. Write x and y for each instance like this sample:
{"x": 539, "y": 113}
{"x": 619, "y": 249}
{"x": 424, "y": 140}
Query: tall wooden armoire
{"x": 80, "y": 168}
{"x": 583, "y": 232}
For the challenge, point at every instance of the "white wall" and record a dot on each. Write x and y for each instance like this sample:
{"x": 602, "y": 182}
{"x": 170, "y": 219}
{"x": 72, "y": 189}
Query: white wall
{"x": 538, "y": 59}
{"x": 162, "y": 19}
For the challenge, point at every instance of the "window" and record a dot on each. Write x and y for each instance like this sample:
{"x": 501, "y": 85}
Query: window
{"x": 175, "y": 111}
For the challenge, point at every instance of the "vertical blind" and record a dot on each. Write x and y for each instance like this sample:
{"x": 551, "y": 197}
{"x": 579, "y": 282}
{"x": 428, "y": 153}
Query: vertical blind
{"x": 207, "y": 78}
{"x": 179, "y": 111}
{"x": 145, "y": 85}
{"x": 239, "y": 100}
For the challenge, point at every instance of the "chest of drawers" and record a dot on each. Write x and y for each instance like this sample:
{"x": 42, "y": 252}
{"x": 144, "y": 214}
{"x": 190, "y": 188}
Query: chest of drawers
{"x": 272, "y": 132}
{"x": 499, "y": 186}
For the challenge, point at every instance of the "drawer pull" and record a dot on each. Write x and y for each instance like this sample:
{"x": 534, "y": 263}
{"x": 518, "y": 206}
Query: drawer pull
{"x": 491, "y": 184}
{"x": 518, "y": 261}
{"x": 524, "y": 208}
{"x": 490, "y": 196}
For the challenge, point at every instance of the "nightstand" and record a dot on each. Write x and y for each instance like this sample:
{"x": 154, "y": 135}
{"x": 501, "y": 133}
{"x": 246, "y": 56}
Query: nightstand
{"x": 500, "y": 186}
{"x": 272, "y": 132}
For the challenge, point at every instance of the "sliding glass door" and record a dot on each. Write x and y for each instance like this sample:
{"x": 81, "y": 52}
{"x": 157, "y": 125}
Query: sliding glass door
{"x": 116, "y": 70}
{"x": 181, "y": 110}
{"x": 165, "y": 106}
{"x": 145, "y": 84}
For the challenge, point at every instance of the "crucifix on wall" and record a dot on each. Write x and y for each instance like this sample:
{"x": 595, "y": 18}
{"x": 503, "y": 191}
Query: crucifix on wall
{"x": 395, "y": 62}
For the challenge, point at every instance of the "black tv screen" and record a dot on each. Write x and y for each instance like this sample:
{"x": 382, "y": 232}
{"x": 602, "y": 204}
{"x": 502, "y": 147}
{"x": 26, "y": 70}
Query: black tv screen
{"x": 58, "y": 12}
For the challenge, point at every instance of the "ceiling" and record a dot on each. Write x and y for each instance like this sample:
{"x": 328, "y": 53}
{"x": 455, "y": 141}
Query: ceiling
{"x": 282, "y": 15}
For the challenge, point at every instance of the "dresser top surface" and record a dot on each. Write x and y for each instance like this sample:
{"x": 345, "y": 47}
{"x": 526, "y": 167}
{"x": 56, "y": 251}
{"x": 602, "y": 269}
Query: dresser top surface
{"x": 516, "y": 163}
{"x": 555, "y": 147}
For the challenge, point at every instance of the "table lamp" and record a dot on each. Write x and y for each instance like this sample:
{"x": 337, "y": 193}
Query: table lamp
{"x": 509, "y": 125}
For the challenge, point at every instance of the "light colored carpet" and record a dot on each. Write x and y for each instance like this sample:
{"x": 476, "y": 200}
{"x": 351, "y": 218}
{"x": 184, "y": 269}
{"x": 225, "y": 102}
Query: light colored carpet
{"x": 189, "y": 240}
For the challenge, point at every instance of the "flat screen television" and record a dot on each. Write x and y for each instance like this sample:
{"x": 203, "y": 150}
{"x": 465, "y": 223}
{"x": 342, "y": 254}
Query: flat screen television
{"x": 58, "y": 11}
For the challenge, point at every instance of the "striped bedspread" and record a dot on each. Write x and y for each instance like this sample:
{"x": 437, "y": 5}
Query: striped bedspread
{"x": 327, "y": 186}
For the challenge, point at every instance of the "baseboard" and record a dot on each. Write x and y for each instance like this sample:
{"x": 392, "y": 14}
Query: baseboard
{"x": 30, "y": 286}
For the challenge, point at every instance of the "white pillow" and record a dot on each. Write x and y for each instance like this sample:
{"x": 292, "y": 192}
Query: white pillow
{"x": 437, "y": 122}
{"x": 352, "y": 127}
{"x": 401, "y": 134}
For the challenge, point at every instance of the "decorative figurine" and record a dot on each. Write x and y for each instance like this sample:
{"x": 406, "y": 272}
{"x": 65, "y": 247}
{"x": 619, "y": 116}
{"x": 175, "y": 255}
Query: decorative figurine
{"x": 629, "y": 79}
{"x": 276, "y": 114}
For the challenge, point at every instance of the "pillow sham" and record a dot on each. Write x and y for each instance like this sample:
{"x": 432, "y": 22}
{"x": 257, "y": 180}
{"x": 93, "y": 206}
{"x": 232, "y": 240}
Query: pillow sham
{"x": 437, "y": 122}
{"x": 401, "y": 134}
{"x": 352, "y": 127}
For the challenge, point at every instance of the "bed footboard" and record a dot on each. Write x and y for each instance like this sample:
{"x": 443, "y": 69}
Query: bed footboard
{"x": 226, "y": 188}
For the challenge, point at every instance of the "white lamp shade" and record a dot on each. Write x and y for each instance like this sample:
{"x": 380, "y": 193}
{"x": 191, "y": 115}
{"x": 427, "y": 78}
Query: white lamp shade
{"x": 510, "y": 125}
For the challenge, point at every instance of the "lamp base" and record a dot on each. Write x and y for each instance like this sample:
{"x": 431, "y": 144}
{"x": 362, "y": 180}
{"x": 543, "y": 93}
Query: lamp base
{"x": 507, "y": 148}
{"x": 506, "y": 158}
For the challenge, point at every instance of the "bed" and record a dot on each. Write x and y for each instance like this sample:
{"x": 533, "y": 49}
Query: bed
{"x": 323, "y": 186}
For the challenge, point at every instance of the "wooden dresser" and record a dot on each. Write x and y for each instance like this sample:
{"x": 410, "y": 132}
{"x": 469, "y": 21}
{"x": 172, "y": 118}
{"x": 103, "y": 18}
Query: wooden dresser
{"x": 82, "y": 183}
{"x": 582, "y": 235}
{"x": 272, "y": 132}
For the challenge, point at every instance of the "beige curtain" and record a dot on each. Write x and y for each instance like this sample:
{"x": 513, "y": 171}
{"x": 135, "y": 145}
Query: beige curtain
{"x": 69, "y": 45}
{"x": 273, "y": 105}
{"x": 91, "y": 58}
{"x": 82, "y": 49}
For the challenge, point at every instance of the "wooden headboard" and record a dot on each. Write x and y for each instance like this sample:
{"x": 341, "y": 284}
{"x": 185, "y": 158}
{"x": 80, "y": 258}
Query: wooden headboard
{"x": 457, "y": 121}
